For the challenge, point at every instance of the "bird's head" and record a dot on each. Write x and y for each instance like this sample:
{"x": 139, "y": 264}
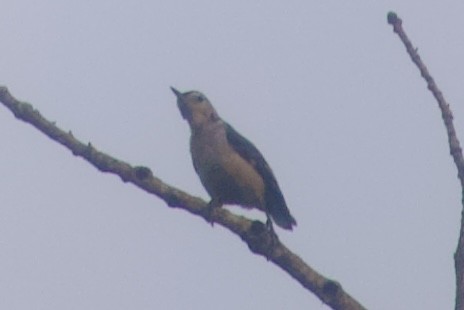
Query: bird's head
{"x": 195, "y": 108}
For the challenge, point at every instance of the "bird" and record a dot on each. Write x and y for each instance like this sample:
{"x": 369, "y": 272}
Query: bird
{"x": 231, "y": 169}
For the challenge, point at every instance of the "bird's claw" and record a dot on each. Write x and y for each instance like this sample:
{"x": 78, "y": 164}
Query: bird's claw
{"x": 210, "y": 211}
{"x": 210, "y": 215}
{"x": 273, "y": 236}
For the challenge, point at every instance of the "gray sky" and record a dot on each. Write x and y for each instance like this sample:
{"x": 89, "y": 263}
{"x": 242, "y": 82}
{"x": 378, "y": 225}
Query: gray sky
{"x": 324, "y": 89}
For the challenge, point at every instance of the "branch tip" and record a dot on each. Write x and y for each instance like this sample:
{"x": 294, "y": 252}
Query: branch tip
{"x": 392, "y": 18}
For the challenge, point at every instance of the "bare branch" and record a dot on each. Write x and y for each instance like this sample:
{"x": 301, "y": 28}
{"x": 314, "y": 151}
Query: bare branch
{"x": 455, "y": 148}
{"x": 253, "y": 233}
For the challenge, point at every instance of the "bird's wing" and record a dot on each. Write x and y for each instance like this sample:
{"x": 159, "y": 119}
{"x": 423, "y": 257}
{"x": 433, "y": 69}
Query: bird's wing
{"x": 275, "y": 202}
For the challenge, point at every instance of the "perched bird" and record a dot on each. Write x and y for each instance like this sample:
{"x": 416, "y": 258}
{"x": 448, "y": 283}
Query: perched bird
{"x": 230, "y": 167}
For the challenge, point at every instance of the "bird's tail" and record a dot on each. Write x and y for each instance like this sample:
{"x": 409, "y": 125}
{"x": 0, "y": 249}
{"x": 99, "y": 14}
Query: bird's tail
{"x": 278, "y": 210}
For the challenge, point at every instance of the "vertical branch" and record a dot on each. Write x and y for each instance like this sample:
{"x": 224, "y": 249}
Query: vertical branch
{"x": 455, "y": 148}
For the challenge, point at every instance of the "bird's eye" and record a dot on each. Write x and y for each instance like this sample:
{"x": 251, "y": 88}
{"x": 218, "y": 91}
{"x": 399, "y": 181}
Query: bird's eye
{"x": 200, "y": 98}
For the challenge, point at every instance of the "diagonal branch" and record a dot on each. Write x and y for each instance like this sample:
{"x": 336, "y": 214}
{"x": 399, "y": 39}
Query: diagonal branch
{"x": 253, "y": 233}
{"x": 455, "y": 148}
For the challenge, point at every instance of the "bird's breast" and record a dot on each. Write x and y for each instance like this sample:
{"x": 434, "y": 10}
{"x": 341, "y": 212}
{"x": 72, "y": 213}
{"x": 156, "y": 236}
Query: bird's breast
{"x": 224, "y": 173}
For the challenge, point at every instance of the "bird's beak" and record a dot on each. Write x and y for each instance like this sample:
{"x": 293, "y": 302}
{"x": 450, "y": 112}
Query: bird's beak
{"x": 176, "y": 92}
{"x": 180, "y": 103}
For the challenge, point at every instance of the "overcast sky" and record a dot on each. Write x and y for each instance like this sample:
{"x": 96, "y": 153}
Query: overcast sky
{"x": 323, "y": 88}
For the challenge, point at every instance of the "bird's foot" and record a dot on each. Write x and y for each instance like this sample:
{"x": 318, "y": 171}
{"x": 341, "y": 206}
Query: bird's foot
{"x": 210, "y": 211}
{"x": 273, "y": 236}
